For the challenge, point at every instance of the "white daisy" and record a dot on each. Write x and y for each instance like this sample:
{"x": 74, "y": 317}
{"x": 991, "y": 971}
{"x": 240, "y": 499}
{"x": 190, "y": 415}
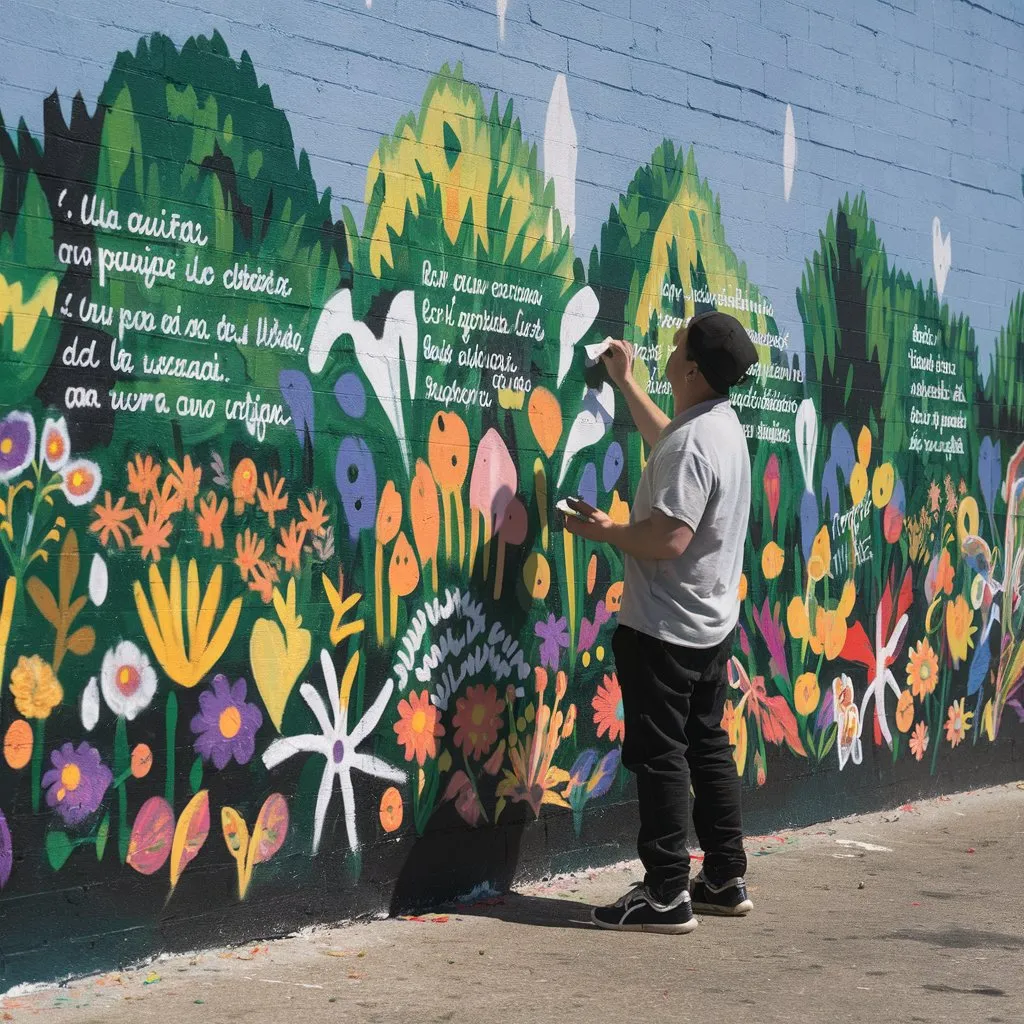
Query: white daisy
{"x": 336, "y": 744}
{"x": 128, "y": 680}
{"x": 55, "y": 444}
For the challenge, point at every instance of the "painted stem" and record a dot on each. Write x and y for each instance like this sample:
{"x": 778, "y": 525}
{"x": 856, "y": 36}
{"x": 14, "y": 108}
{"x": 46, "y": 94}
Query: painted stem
{"x": 570, "y": 579}
{"x": 474, "y": 537}
{"x": 122, "y": 765}
{"x": 499, "y": 569}
{"x": 460, "y": 518}
{"x": 39, "y": 725}
{"x": 6, "y": 617}
{"x": 378, "y": 582}
{"x": 171, "y": 719}
{"x": 540, "y": 486}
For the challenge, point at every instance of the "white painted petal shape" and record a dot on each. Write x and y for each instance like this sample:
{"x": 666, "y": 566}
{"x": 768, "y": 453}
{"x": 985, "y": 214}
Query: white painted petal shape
{"x": 788, "y": 152}
{"x": 98, "y": 580}
{"x": 579, "y": 316}
{"x": 942, "y": 255}
{"x": 502, "y": 7}
{"x": 589, "y": 426}
{"x": 807, "y": 440}
{"x": 561, "y": 148}
{"x": 335, "y": 320}
{"x": 90, "y": 708}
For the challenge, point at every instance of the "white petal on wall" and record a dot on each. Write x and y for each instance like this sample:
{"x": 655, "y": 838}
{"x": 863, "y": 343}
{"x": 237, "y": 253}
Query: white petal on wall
{"x": 502, "y": 8}
{"x": 807, "y": 440}
{"x": 401, "y": 320}
{"x": 589, "y": 426}
{"x": 578, "y": 318}
{"x": 335, "y": 320}
{"x": 90, "y": 707}
{"x": 942, "y": 256}
{"x": 561, "y": 147}
{"x": 789, "y": 152}
{"x": 379, "y": 361}
{"x": 98, "y": 580}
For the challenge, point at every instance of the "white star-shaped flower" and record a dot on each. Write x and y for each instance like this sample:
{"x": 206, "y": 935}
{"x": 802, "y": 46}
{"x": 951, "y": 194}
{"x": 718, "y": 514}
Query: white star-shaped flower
{"x": 337, "y": 745}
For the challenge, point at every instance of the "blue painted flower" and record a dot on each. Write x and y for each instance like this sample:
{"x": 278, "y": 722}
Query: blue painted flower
{"x": 582, "y": 768}
{"x": 613, "y": 462}
{"x": 990, "y": 471}
{"x": 809, "y": 522}
{"x": 841, "y": 460}
{"x": 588, "y": 484}
{"x": 356, "y": 478}
{"x": 604, "y": 775}
{"x": 351, "y": 395}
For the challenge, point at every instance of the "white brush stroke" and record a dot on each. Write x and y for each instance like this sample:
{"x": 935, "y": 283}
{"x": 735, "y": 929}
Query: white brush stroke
{"x": 98, "y": 580}
{"x": 942, "y": 255}
{"x": 561, "y": 148}
{"x": 579, "y": 316}
{"x": 789, "y": 152}
{"x": 589, "y": 426}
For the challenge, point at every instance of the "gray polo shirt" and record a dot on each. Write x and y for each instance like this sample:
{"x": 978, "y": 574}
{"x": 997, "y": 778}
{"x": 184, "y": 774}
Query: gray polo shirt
{"x": 698, "y": 473}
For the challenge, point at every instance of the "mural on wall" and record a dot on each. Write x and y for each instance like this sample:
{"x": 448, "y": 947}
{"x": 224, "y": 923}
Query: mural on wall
{"x": 282, "y": 576}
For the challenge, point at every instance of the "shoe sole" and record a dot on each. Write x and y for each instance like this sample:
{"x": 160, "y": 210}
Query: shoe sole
{"x": 658, "y": 929}
{"x": 716, "y": 910}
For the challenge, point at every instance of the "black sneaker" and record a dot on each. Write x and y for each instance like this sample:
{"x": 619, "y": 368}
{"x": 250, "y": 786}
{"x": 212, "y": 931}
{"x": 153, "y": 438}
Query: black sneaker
{"x": 638, "y": 911}
{"x": 727, "y": 900}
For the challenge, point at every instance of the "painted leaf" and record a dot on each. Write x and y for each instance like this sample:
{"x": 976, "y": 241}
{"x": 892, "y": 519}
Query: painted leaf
{"x": 195, "y": 776}
{"x": 69, "y": 566}
{"x": 271, "y": 828}
{"x": 102, "y": 835}
{"x": 98, "y": 580}
{"x": 82, "y": 641}
{"x": 44, "y": 600}
{"x": 190, "y": 834}
{"x": 152, "y": 834}
{"x": 58, "y": 849}
{"x": 236, "y": 832}
{"x": 460, "y": 789}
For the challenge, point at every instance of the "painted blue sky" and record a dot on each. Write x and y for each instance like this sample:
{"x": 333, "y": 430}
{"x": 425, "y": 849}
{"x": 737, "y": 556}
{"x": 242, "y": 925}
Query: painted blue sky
{"x": 914, "y": 102}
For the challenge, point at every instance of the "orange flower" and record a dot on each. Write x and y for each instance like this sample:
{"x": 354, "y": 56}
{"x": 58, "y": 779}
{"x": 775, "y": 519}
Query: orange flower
{"x": 248, "y": 550}
{"x": 185, "y": 479}
{"x": 290, "y": 548}
{"x": 404, "y": 570}
{"x": 919, "y": 741}
{"x": 391, "y": 810}
{"x": 142, "y": 761}
{"x": 806, "y": 693}
{"x": 609, "y": 716}
{"x": 944, "y": 575}
{"x": 153, "y": 532}
{"x": 142, "y": 476}
{"x": 211, "y": 520}
{"x": 922, "y": 670}
{"x": 418, "y": 727}
{"x": 272, "y": 498}
{"x": 613, "y": 597}
{"x": 243, "y": 485}
{"x": 476, "y": 721}
{"x": 18, "y": 744}
{"x": 545, "y": 415}
{"x": 264, "y": 576}
{"x": 905, "y": 711}
{"x": 314, "y": 515}
{"x": 389, "y": 514}
{"x": 960, "y": 628}
{"x": 111, "y": 521}
{"x": 958, "y": 722}
{"x": 166, "y": 501}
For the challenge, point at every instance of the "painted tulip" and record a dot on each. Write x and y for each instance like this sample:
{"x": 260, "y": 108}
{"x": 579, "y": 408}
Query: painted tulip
{"x": 772, "y": 486}
{"x": 545, "y": 415}
{"x": 356, "y": 479}
{"x": 613, "y": 463}
{"x": 883, "y": 480}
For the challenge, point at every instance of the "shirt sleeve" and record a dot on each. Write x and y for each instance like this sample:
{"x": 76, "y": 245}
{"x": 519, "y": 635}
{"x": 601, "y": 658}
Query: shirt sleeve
{"x": 683, "y": 485}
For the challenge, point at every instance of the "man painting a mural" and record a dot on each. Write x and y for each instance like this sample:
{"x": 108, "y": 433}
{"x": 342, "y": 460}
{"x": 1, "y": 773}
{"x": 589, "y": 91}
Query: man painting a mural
{"x": 683, "y": 551}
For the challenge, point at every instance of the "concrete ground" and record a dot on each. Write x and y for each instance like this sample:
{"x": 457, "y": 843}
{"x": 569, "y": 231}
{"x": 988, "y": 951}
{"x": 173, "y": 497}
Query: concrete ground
{"x": 912, "y": 915}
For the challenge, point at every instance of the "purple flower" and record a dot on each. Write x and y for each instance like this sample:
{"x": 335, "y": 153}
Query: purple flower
{"x": 589, "y": 630}
{"x": 226, "y": 725}
{"x": 298, "y": 393}
{"x": 582, "y": 768}
{"x": 604, "y": 775}
{"x": 76, "y": 782}
{"x": 774, "y": 638}
{"x": 588, "y": 484}
{"x": 808, "y": 522}
{"x": 17, "y": 444}
{"x": 826, "y": 713}
{"x": 351, "y": 395}
{"x": 841, "y": 460}
{"x": 357, "y": 484}
{"x": 612, "y": 468}
{"x": 555, "y": 634}
{"x": 990, "y": 472}
{"x": 6, "y": 851}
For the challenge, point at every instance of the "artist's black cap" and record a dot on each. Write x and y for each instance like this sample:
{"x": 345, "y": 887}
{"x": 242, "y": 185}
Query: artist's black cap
{"x": 722, "y": 349}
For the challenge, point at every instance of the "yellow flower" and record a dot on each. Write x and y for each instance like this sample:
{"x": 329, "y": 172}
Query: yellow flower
{"x": 619, "y": 510}
{"x": 987, "y": 725}
{"x": 806, "y": 693}
{"x": 167, "y": 622}
{"x": 960, "y": 628}
{"x": 847, "y": 599}
{"x": 537, "y": 576}
{"x": 773, "y": 558}
{"x": 339, "y": 608}
{"x": 858, "y": 484}
{"x": 864, "y": 446}
{"x": 821, "y": 556}
{"x": 829, "y": 635}
{"x": 922, "y": 669}
{"x": 734, "y": 722}
{"x": 967, "y": 519}
{"x": 883, "y": 480}
{"x": 797, "y": 621}
{"x": 742, "y": 592}
{"x": 905, "y": 711}
{"x": 36, "y": 689}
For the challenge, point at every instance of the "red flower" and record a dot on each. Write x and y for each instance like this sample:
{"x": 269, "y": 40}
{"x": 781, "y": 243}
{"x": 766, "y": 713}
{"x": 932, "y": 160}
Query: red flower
{"x": 608, "y": 713}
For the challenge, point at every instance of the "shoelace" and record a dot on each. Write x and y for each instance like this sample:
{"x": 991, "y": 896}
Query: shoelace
{"x": 638, "y": 890}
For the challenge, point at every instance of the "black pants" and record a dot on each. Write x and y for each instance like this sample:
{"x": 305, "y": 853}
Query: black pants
{"x": 672, "y": 700}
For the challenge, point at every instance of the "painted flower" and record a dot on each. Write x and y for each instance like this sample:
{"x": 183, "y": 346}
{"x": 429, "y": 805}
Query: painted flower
{"x": 185, "y": 480}
{"x": 847, "y": 719}
{"x": 960, "y": 628}
{"x": 806, "y": 693}
{"x": 76, "y": 783}
{"x": 290, "y": 546}
{"x": 337, "y": 745}
{"x": 111, "y": 521}
{"x": 858, "y": 483}
{"x": 243, "y": 485}
{"x": 356, "y": 478}
{"x": 609, "y": 716}
{"x": 89, "y": 709}
{"x": 554, "y": 635}
{"x": 477, "y": 719}
{"x": 821, "y": 556}
{"x": 895, "y": 512}
{"x": 249, "y": 548}
{"x": 55, "y": 444}
{"x": 391, "y": 810}
{"x": 81, "y": 481}
{"x": 271, "y": 498}
{"x": 883, "y": 480}
{"x": 418, "y": 727}
{"x": 773, "y": 560}
{"x": 210, "y": 520}
{"x": 919, "y": 741}
{"x": 141, "y": 760}
{"x": 772, "y": 485}
{"x": 933, "y": 496}
{"x": 127, "y": 679}
{"x": 741, "y": 592}
{"x": 17, "y": 444}
{"x": 905, "y": 711}
{"x": 314, "y": 515}
{"x": 922, "y": 670}
{"x": 734, "y": 722}
{"x": 958, "y": 722}
{"x": 143, "y": 474}
{"x": 35, "y": 688}
{"x": 227, "y": 724}
{"x": 941, "y": 576}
